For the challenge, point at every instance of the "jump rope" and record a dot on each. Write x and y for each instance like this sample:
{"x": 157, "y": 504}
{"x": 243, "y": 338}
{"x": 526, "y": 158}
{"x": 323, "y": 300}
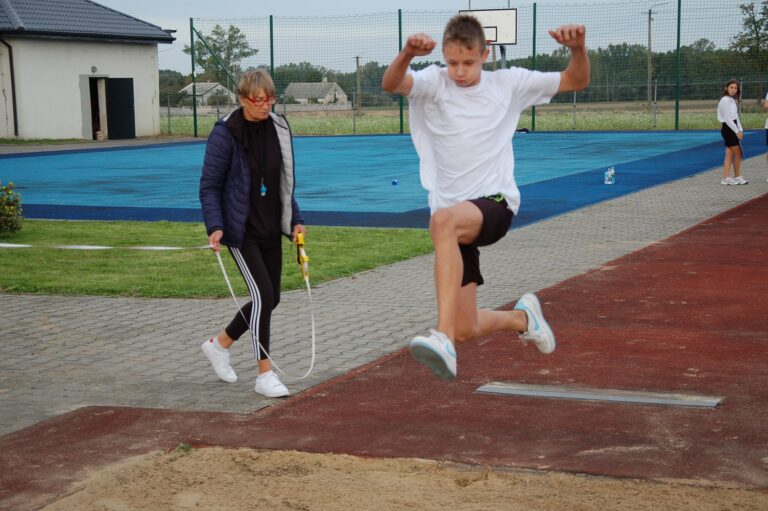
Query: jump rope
{"x": 303, "y": 260}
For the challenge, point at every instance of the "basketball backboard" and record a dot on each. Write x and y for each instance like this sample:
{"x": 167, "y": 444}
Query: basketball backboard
{"x": 500, "y": 25}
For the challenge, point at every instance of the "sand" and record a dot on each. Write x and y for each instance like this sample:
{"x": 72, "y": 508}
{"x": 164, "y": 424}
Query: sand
{"x": 233, "y": 479}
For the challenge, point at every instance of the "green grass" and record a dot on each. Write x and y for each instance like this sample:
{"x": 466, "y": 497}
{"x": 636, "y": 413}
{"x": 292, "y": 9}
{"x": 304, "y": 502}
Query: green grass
{"x": 334, "y": 252}
{"x": 38, "y": 141}
{"x": 367, "y": 124}
{"x": 585, "y": 120}
{"x": 632, "y": 121}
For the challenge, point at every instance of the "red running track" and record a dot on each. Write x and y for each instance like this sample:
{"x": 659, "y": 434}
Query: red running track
{"x": 686, "y": 315}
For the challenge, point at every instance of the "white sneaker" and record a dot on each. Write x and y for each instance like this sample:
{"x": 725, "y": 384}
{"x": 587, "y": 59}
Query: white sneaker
{"x": 219, "y": 360}
{"x": 435, "y": 351}
{"x": 538, "y": 329}
{"x": 727, "y": 181}
{"x": 740, "y": 180}
{"x": 269, "y": 385}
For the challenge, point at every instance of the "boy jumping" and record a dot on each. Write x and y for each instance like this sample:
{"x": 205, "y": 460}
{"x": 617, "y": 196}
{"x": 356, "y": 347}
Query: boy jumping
{"x": 462, "y": 122}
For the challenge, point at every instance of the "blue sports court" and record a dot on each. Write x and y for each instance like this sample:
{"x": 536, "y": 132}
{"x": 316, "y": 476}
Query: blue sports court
{"x": 359, "y": 180}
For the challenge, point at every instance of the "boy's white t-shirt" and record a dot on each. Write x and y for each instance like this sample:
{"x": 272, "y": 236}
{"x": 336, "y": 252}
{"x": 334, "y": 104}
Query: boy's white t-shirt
{"x": 766, "y": 119}
{"x": 463, "y": 135}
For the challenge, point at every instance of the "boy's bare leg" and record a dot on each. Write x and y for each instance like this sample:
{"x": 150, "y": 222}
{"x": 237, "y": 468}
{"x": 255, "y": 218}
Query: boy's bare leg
{"x": 457, "y": 313}
{"x": 448, "y": 228}
{"x": 472, "y": 322}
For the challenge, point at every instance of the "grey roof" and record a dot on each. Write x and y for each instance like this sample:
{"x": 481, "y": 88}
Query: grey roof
{"x": 75, "y": 19}
{"x": 304, "y": 90}
{"x": 203, "y": 88}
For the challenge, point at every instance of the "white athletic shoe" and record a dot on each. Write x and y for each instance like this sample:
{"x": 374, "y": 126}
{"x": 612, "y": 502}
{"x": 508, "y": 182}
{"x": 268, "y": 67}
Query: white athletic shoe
{"x": 727, "y": 181}
{"x": 538, "y": 329}
{"x": 435, "y": 351}
{"x": 740, "y": 180}
{"x": 269, "y": 385}
{"x": 219, "y": 361}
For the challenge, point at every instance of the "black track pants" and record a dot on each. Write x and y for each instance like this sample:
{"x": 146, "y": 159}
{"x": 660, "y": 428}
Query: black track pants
{"x": 260, "y": 263}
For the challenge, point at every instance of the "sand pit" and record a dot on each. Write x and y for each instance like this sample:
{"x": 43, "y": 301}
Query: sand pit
{"x": 233, "y": 479}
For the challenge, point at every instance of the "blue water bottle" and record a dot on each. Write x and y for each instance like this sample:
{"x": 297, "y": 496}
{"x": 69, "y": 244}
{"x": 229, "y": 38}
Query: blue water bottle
{"x": 609, "y": 177}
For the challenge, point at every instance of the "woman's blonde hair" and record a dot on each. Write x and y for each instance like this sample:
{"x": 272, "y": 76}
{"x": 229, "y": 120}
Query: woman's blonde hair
{"x": 253, "y": 81}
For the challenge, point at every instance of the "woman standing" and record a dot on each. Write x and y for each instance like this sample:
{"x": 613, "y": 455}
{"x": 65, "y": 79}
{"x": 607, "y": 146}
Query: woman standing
{"x": 732, "y": 133}
{"x": 246, "y": 193}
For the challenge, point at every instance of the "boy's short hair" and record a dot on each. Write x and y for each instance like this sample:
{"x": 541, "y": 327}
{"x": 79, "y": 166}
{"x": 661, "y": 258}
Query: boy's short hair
{"x": 466, "y": 30}
{"x": 253, "y": 81}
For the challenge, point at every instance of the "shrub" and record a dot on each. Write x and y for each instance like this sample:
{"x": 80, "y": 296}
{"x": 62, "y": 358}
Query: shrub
{"x": 10, "y": 209}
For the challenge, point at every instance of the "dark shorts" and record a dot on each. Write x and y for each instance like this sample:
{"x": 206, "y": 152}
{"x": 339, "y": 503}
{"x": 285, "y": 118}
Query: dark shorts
{"x": 729, "y": 137}
{"x": 497, "y": 217}
{"x": 766, "y": 136}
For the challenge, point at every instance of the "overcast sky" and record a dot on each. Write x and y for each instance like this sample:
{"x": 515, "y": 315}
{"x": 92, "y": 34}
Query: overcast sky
{"x": 175, "y": 14}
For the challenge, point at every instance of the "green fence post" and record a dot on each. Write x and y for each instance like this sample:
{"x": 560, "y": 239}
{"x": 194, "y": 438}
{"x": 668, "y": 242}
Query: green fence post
{"x": 194, "y": 89}
{"x": 533, "y": 66}
{"x": 272, "y": 54}
{"x": 677, "y": 71}
{"x": 271, "y": 48}
{"x": 400, "y": 48}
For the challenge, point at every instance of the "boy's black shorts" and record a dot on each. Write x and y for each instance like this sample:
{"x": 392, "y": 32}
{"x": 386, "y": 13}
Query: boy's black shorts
{"x": 497, "y": 217}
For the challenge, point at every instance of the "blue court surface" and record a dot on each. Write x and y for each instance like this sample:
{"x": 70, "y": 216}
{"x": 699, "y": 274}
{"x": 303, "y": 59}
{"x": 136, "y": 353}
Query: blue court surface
{"x": 359, "y": 180}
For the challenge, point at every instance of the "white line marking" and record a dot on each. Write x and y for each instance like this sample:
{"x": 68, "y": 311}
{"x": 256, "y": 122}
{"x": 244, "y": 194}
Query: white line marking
{"x": 591, "y": 394}
{"x": 101, "y": 247}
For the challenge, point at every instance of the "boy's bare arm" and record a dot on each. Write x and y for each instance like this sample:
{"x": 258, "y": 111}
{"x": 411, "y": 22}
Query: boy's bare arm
{"x": 576, "y": 75}
{"x": 396, "y": 78}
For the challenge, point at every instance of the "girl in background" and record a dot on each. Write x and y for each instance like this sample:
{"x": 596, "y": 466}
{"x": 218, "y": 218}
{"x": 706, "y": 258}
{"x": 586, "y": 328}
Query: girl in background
{"x": 732, "y": 133}
{"x": 765, "y": 106}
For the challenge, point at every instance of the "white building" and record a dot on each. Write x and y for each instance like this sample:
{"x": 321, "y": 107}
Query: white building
{"x": 77, "y": 69}
{"x": 324, "y": 92}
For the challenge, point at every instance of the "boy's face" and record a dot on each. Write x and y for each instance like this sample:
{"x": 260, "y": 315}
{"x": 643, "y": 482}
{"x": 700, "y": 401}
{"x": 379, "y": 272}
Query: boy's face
{"x": 464, "y": 64}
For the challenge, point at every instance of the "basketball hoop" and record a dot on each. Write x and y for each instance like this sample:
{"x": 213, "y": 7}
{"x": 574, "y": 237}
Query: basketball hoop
{"x": 499, "y": 25}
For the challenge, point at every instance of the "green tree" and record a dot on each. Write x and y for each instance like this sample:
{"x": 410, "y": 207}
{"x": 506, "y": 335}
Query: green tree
{"x": 703, "y": 45}
{"x": 228, "y": 47}
{"x": 303, "y": 72}
{"x": 171, "y": 82}
{"x": 416, "y": 66}
{"x": 752, "y": 42}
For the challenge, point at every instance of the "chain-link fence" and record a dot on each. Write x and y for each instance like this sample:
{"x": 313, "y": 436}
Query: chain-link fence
{"x": 655, "y": 65}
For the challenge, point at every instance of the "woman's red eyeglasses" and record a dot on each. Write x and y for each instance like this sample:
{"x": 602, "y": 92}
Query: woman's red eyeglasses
{"x": 270, "y": 100}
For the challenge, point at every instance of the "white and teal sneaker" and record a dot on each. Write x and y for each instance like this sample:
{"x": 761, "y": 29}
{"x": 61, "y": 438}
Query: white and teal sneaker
{"x": 435, "y": 351}
{"x": 538, "y": 329}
